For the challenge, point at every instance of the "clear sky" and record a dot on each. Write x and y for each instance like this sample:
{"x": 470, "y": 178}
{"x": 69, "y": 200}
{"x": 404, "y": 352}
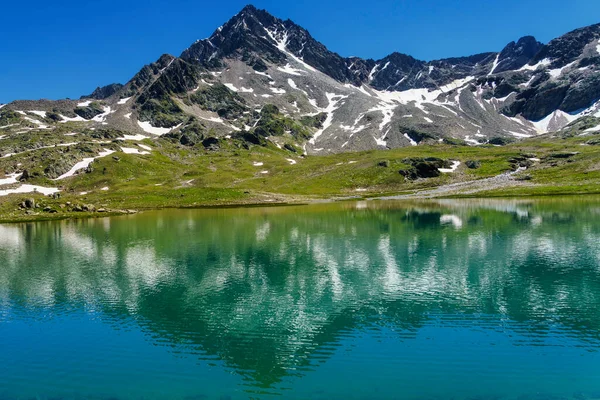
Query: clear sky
{"x": 67, "y": 48}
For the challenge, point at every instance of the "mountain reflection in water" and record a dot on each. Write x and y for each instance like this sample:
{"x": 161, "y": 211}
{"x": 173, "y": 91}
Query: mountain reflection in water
{"x": 273, "y": 292}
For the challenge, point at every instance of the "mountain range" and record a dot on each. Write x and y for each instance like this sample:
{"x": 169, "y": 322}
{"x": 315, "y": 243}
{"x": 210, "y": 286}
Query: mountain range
{"x": 258, "y": 78}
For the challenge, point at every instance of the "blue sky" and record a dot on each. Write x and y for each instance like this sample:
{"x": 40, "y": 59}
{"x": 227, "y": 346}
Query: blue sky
{"x": 67, "y": 48}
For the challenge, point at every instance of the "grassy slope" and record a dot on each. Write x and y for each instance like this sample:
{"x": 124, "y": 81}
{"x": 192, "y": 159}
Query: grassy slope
{"x": 173, "y": 176}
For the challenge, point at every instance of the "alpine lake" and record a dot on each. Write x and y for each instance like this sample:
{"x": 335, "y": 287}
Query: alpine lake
{"x": 446, "y": 299}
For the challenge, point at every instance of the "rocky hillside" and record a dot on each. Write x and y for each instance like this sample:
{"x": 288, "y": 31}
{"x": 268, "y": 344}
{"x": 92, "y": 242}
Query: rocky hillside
{"x": 259, "y": 79}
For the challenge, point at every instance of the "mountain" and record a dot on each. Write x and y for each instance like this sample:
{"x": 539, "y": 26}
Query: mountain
{"x": 261, "y": 79}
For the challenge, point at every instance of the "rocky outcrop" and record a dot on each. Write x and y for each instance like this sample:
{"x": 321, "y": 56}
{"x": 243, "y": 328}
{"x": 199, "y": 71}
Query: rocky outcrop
{"x": 104, "y": 92}
{"x": 516, "y": 55}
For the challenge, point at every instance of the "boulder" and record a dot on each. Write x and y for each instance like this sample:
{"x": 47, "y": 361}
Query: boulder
{"x": 473, "y": 164}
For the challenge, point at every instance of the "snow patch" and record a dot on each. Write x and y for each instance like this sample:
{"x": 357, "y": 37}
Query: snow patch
{"x": 288, "y": 69}
{"x": 519, "y": 134}
{"x": 542, "y": 63}
{"x": 231, "y": 87}
{"x": 387, "y": 110}
{"x": 282, "y": 46}
{"x": 83, "y": 164}
{"x": 102, "y": 117}
{"x": 30, "y": 189}
{"x": 39, "y": 113}
{"x": 554, "y": 121}
{"x": 123, "y": 101}
{"x": 134, "y": 137}
{"x": 412, "y": 142}
{"x": 263, "y": 74}
{"x": 381, "y": 141}
{"x": 291, "y": 161}
{"x": 373, "y": 72}
{"x": 333, "y": 100}
{"x": 147, "y": 127}
{"x": 278, "y": 91}
{"x": 40, "y": 124}
{"x": 12, "y": 178}
{"x": 495, "y": 65}
{"x": 452, "y": 168}
{"x": 555, "y": 73}
{"x": 129, "y": 150}
{"x": 77, "y": 118}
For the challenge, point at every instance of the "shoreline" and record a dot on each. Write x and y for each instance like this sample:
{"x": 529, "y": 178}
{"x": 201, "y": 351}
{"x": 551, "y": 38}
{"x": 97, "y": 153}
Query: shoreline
{"x": 72, "y": 215}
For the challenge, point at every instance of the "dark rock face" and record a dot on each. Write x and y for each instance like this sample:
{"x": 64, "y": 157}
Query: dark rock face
{"x": 89, "y": 112}
{"x": 244, "y": 35}
{"x": 543, "y": 101}
{"x": 251, "y": 137}
{"x": 396, "y": 71}
{"x": 190, "y": 135}
{"x": 168, "y": 76}
{"x": 568, "y": 47}
{"x": 211, "y": 143}
{"x": 315, "y": 54}
{"x": 220, "y": 99}
{"x": 104, "y": 92}
{"x": 581, "y": 94}
{"x": 516, "y": 55}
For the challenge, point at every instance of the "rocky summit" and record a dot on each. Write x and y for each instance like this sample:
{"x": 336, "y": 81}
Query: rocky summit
{"x": 258, "y": 78}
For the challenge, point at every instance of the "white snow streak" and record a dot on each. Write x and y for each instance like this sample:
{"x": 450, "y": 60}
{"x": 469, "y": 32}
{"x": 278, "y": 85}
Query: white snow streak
{"x": 495, "y": 65}
{"x": 83, "y": 164}
{"x": 289, "y": 70}
{"x": 134, "y": 137}
{"x": 412, "y": 142}
{"x": 123, "y": 101}
{"x": 12, "y": 178}
{"x": 333, "y": 100}
{"x": 453, "y": 168}
{"x": 129, "y": 150}
{"x": 147, "y": 127}
{"x": 29, "y": 189}
{"x": 527, "y": 67}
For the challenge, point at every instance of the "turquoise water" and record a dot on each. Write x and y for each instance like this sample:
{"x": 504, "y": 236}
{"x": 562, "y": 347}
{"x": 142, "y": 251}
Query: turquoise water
{"x": 452, "y": 299}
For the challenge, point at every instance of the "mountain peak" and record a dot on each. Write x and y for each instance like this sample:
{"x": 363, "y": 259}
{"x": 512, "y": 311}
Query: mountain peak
{"x": 516, "y": 54}
{"x": 248, "y": 8}
{"x": 568, "y": 47}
